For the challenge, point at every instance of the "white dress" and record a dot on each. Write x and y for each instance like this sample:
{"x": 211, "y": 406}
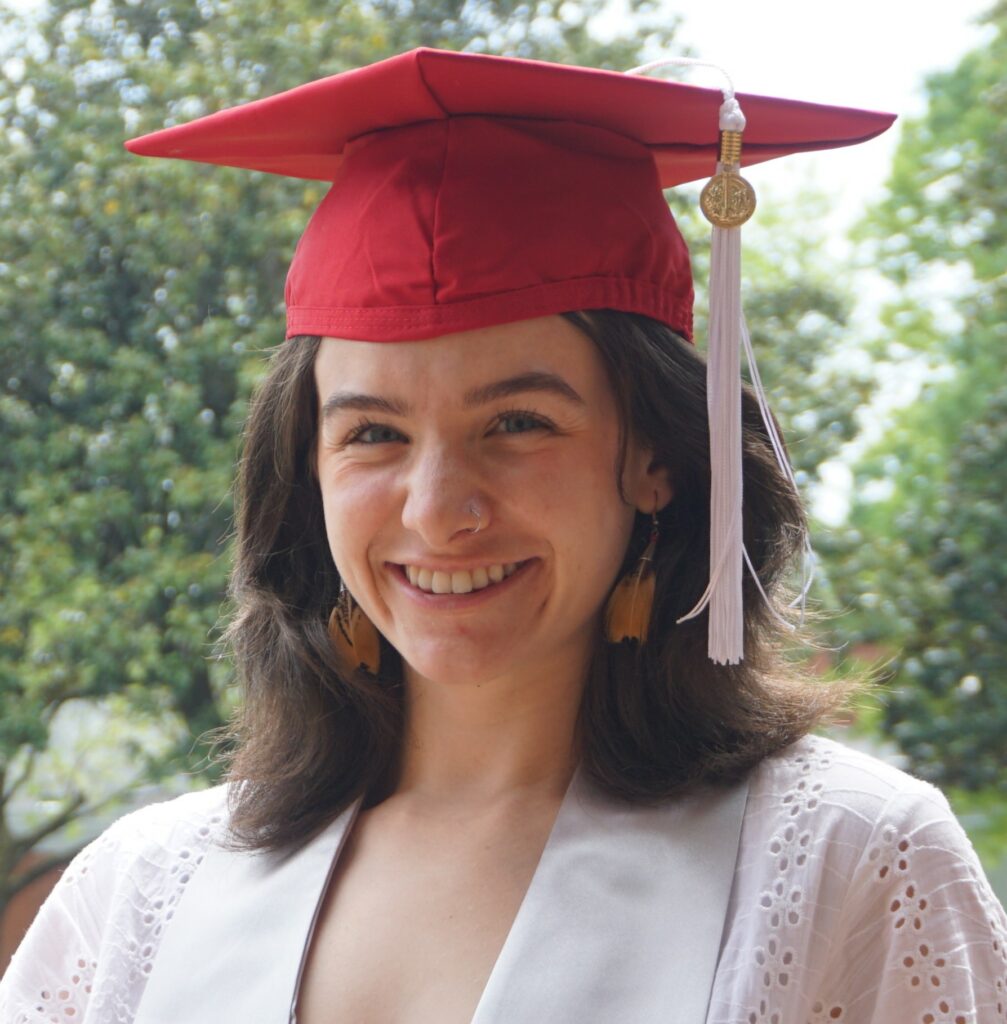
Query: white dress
{"x": 852, "y": 895}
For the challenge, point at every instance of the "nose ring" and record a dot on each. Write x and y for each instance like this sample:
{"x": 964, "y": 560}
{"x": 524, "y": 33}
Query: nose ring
{"x": 475, "y": 511}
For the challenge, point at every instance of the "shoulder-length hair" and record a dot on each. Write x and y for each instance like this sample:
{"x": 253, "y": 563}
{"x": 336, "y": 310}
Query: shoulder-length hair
{"x": 656, "y": 719}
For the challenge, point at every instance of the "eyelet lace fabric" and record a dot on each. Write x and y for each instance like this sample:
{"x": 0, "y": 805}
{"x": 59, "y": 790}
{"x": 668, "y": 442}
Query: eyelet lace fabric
{"x": 92, "y": 946}
{"x": 857, "y": 899}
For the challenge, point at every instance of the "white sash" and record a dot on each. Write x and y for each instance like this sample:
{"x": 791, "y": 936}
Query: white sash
{"x": 622, "y": 921}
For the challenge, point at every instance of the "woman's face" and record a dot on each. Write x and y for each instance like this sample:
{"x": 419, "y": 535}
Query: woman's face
{"x": 517, "y": 420}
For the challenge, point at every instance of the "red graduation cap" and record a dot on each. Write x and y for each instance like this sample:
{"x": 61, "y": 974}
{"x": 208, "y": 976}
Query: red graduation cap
{"x": 471, "y": 190}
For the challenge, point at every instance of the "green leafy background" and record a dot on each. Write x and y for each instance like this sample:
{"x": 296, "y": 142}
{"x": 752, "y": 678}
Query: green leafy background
{"x": 138, "y": 300}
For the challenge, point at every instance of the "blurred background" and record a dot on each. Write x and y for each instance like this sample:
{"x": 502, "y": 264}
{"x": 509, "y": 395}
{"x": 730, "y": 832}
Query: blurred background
{"x": 138, "y": 300}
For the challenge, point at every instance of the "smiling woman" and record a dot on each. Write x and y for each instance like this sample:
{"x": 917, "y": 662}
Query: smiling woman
{"x": 495, "y": 762}
{"x": 612, "y": 410}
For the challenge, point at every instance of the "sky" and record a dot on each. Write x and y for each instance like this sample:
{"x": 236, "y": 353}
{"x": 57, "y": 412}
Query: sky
{"x": 859, "y": 53}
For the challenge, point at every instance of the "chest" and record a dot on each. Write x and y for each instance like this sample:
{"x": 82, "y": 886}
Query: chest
{"x": 621, "y": 920}
{"x": 414, "y": 918}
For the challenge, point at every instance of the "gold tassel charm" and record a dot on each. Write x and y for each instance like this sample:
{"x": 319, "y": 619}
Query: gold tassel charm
{"x": 728, "y": 199}
{"x": 353, "y": 635}
{"x": 627, "y": 614}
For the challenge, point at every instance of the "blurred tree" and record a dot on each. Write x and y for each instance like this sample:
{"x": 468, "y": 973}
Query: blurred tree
{"x": 798, "y": 313}
{"x": 136, "y": 300}
{"x": 932, "y": 582}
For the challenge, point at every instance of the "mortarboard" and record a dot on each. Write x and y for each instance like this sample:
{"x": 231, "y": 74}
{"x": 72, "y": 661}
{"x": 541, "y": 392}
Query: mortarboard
{"x": 470, "y": 190}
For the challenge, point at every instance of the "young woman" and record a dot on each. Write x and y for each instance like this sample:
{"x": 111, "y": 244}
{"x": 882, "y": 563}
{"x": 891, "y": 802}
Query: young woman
{"x": 485, "y": 769}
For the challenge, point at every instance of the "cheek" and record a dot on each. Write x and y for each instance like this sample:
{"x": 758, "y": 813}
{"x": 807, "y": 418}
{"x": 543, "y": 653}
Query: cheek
{"x": 591, "y": 523}
{"x": 354, "y": 505}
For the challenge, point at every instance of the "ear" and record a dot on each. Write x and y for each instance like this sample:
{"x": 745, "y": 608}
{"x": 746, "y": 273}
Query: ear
{"x": 647, "y": 481}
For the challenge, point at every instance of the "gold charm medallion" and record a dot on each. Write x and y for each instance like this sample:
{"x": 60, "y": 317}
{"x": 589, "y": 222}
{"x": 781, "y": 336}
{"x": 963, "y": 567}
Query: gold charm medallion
{"x": 727, "y": 200}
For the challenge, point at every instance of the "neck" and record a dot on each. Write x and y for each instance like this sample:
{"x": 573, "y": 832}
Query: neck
{"x": 483, "y": 743}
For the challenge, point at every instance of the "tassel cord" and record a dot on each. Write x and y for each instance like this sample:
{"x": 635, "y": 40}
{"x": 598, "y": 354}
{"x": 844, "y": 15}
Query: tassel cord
{"x": 807, "y": 553}
{"x": 781, "y": 458}
{"x": 684, "y": 62}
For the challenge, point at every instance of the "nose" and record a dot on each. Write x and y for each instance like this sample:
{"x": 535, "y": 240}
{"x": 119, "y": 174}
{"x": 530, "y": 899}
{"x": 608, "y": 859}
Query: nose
{"x": 441, "y": 487}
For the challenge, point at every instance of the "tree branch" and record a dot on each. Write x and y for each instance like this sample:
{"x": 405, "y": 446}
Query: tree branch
{"x": 16, "y": 882}
{"x": 22, "y": 778}
{"x": 54, "y": 824}
{"x": 22, "y": 845}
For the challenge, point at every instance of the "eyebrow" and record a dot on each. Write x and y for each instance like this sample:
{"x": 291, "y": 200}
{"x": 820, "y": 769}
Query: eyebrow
{"x": 551, "y": 383}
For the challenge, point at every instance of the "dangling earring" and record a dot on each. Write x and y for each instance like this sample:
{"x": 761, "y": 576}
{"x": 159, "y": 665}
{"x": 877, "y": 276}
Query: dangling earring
{"x": 353, "y": 635}
{"x": 627, "y": 614}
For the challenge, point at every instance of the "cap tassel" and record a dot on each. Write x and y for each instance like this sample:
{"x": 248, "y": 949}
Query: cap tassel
{"x": 727, "y": 202}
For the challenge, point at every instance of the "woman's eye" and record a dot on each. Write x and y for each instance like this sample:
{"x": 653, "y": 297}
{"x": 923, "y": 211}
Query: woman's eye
{"x": 374, "y": 433}
{"x": 521, "y": 423}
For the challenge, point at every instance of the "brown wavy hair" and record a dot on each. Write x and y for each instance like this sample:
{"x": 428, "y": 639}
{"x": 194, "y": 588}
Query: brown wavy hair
{"x": 309, "y": 738}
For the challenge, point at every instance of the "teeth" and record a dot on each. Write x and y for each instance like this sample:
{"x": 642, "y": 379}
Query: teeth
{"x": 462, "y": 582}
{"x": 459, "y": 582}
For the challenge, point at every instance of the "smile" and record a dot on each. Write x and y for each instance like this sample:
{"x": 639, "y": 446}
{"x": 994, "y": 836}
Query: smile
{"x": 459, "y": 581}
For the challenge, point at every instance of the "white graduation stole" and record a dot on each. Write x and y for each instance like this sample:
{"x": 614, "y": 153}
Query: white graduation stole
{"x": 622, "y": 921}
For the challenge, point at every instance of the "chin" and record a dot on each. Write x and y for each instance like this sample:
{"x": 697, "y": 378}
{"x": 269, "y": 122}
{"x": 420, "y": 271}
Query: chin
{"x": 458, "y": 665}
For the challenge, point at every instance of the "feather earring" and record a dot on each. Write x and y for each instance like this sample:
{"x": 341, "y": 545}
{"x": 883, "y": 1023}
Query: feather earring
{"x": 353, "y": 635}
{"x": 627, "y": 614}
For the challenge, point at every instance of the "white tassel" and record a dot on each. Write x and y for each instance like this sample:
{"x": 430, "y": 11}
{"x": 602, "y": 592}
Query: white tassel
{"x": 723, "y": 402}
{"x": 728, "y": 201}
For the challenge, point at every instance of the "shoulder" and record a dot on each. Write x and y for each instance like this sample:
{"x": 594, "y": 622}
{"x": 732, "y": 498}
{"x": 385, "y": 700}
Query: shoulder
{"x": 858, "y": 893}
{"x": 832, "y": 786}
{"x": 146, "y": 857}
{"x": 157, "y": 834}
{"x": 200, "y": 815}
{"x": 838, "y": 767}
{"x": 93, "y": 942}
{"x": 825, "y": 821}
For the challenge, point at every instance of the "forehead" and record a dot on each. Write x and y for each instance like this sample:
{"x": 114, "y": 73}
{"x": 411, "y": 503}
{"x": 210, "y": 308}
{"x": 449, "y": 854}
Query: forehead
{"x": 455, "y": 362}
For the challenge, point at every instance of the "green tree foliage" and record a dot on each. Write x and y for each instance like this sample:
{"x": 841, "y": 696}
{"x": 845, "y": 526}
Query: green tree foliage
{"x": 136, "y": 301}
{"x": 799, "y": 316}
{"x": 931, "y": 581}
